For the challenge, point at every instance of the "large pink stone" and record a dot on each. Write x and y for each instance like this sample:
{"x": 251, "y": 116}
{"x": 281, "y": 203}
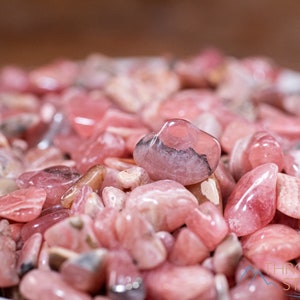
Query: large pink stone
{"x": 179, "y": 151}
{"x": 22, "y": 205}
{"x": 208, "y": 224}
{"x": 276, "y": 239}
{"x": 252, "y": 203}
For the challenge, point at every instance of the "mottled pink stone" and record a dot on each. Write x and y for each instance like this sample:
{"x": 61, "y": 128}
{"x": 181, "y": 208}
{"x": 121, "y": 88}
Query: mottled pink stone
{"x": 288, "y": 196}
{"x": 252, "y": 203}
{"x": 164, "y": 203}
{"x": 179, "y": 151}
{"x": 137, "y": 235}
{"x": 208, "y": 223}
{"x": 48, "y": 285}
{"x": 74, "y": 233}
{"x": 22, "y": 205}
{"x": 276, "y": 239}
{"x": 292, "y": 162}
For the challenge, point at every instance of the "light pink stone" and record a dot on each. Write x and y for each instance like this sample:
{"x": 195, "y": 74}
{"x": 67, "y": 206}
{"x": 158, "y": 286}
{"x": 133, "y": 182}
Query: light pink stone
{"x": 164, "y": 203}
{"x": 288, "y": 196}
{"x": 48, "y": 285}
{"x": 276, "y": 239}
{"x": 179, "y": 282}
{"x": 113, "y": 197}
{"x": 252, "y": 203}
{"x": 74, "y": 233}
{"x": 208, "y": 223}
{"x": 188, "y": 249}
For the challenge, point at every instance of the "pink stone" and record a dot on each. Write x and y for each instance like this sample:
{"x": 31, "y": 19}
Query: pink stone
{"x": 14, "y": 79}
{"x": 275, "y": 239}
{"x": 29, "y": 255}
{"x": 179, "y": 282}
{"x": 164, "y": 203}
{"x": 292, "y": 162}
{"x": 48, "y": 217}
{"x": 180, "y": 151}
{"x": 74, "y": 233}
{"x": 252, "y": 203}
{"x": 167, "y": 239}
{"x": 8, "y": 257}
{"x": 113, "y": 197}
{"x": 288, "y": 197}
{"x": 94, "y": 150}
{"x": 84, "y": 112}
{"x": 54, "y": 180}
{"x": 104, "y": 227}
{"x": 188, "y": 249}
{"x": 207, "y": 222}
{"x": 22, "y": 205}
{"x": 136, "y": 235}
{"x": 48, "y": 285}
{"x": 227, "y": 255}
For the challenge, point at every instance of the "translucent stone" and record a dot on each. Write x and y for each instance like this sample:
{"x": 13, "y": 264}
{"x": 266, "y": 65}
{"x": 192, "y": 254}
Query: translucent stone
{"x": 180, "y": 151}
{"x": 164, "y": 203}
{"x": 188, "y": 249}
{"x": 93, "y": 178}
{"x": 74, "y": 233}
{"x": 54, "y": 180}
{"x": 252, "y": 203}
{"x": 22, "y": 205}
{"x": 57, "y": 256}
{"x": 48, "y": 217}
{"x": 48, "y": 285}
{"x": 207, "y": 222}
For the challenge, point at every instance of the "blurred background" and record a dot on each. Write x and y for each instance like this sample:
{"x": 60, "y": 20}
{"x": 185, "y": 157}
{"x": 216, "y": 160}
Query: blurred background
{"x": 34, "y": 32}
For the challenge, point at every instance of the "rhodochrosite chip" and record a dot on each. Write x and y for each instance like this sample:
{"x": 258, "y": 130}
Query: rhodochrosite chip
{"x": 252, "y": 203}
{"x": 179, "y": 151}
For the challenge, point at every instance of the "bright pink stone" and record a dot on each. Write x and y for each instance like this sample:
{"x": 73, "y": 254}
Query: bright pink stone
{"x": 179, "y": 282}
{"x": 188, "y": 249}
{"x": 276, "y": 239}
{"x": 179, "y": 151}
{"x": 288, "y": 197}
{"x": 137, "y": 235}
{"x": 48, "y": 217}
{"x": 22, "y": 205}
{"x": 48, "y": 285}
{"x": 254, "y": 150}
{"x": 8, "y": 257}
{"x": 252, "y": 203}
{"x": 54, "y": 180}
{"x": 164, "y": 203}
{"x": 207, "y": 222}
{"x": 74, "y": 233}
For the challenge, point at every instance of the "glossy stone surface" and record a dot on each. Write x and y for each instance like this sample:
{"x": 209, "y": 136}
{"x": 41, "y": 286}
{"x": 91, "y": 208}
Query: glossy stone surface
{"x": 179, "y": 151}
{"x": 207, "y": 222}
{"x": 252, "y": 203}
{"x": 22, "y": 205}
